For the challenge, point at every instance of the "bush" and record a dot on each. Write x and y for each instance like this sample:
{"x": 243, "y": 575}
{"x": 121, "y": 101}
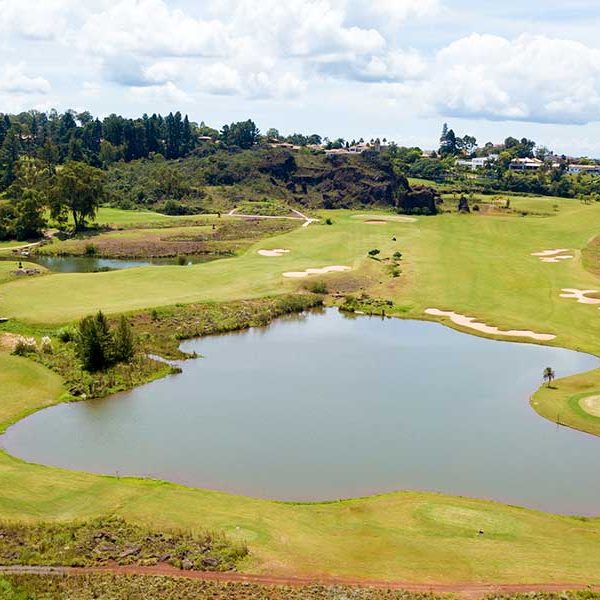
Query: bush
{"x": 90, "y": 250}
{"x": 373, "y": 253}
{"x": 25, "y": 345}
{"x": 46, "y": 345}
{"x": 182, "y": 261}
{"x": 99, "y": 348}
{"x": 66, "y": 334}
{"x": 328, "y": 221}
{"x": 317, "y": 287}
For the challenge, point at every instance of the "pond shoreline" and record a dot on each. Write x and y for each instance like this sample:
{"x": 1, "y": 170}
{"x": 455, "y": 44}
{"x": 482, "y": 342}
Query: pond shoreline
{"x": 368, "y": 494}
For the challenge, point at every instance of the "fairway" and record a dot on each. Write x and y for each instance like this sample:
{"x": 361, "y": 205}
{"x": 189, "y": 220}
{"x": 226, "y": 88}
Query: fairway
{"x": 479, "y": 266}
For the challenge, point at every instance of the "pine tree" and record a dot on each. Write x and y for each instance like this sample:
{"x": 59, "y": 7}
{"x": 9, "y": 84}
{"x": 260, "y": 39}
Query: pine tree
{"x": 124, "y": 346}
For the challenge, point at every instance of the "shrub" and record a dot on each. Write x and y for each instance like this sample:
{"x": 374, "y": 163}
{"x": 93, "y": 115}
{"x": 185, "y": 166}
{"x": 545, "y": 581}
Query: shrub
{"x": 98, "y": 347}
{"x": 25, "y": 345}
{"x": 182, "y": 260}
{"x": 374, "y": 252}
{"x": 46, "y": 345}
{"x": 317, "y": 287}
{"x": 90, "y": 250}
{"x": 328, "y": 221}
{"x": 66, "y": 334}
{"x": 397, "y": 255}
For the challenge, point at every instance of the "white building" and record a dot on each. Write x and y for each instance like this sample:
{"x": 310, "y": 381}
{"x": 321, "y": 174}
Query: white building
{"x": 526, "y": 164}
{"x": 591, "y": 169}
{"x": 477, "y": 163}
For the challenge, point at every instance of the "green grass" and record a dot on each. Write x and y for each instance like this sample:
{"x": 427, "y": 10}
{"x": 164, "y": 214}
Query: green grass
{"x": 475, "y": 265}
{"x": 560, "y": 401}
{"x": 7, "y": 269}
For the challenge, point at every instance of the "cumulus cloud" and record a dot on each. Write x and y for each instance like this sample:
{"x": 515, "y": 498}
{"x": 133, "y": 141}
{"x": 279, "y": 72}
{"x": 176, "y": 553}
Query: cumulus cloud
{"x": 530, "y": 78}
{"x": 45, "y": 20}
{"x": 152, "y": 28}
{"x": 223, "y": 79}
{"x": 13, "y": 80}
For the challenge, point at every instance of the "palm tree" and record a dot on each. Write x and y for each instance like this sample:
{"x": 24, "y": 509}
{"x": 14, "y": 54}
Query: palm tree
{"x": 549, "y": 375}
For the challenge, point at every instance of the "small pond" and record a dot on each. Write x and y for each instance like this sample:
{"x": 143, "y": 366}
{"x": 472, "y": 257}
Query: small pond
{"x": 324, "y": 406}
{"x": 92, "y": 264}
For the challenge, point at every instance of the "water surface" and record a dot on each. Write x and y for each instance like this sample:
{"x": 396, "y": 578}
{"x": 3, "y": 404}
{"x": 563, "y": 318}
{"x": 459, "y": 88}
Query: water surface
{"x": 324, "y": 406}
{"x": 92, "y": 264}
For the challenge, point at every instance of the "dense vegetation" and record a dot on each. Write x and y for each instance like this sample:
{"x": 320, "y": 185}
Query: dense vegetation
{"x": 114, "y": 541}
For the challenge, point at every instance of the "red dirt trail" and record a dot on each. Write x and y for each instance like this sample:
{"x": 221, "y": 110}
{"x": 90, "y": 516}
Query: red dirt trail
{"x": 465, "y": 590}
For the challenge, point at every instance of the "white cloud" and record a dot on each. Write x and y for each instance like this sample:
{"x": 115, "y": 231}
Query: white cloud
{"x": 223, "y": 79}
{"x": 40, "y": 20}
{"x": 167, "y": 92}
{"x": 13, "y": 80}
{"x": 151, "y": 28}
{"x": 530, "y": 78}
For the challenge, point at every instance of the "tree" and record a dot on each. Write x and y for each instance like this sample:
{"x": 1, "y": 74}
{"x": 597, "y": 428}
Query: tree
{"x": 77, "y": 189}
{"x": 29, "y": 222}
{"x": 549, "y": 375}
{"x": 123, "y": 342}
{"x": 273, "y": 134}
{"x": 93, "y": 343}
{"x": 243, "y": 134}
{"x": 374, "y": 252}
{"x": 98, "y": 348}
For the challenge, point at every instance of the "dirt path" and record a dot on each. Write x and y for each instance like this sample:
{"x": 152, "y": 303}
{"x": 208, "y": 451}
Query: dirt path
{"x": 22, "y": 247}
{"x": 465, "y": 590}
{"x": 299, "y": 216}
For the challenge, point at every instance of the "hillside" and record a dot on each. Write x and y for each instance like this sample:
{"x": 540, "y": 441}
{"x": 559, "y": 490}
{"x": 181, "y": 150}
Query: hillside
{"x": 215, "y": 179}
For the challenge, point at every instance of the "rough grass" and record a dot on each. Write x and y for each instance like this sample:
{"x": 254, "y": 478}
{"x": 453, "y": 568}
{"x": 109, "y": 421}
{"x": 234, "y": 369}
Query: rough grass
{"x": 111, "y": 540}
{"x": 109, "y": 587}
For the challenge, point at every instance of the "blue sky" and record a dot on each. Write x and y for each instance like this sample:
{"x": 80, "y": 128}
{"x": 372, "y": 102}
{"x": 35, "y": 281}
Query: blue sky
{"x": 351, "y": 68}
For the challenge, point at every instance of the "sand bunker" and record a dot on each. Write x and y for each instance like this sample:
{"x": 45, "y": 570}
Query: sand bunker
{"x": 323, "y": 271}
{"x": 275, "y": 252}
{"x": 550, "y": 252}
{"x": 472, "y": 323}
{"x": 557, "y": 259}
{"x": 553, "y": 256}
{"x": 591, "y": 405}
{"x": 580, "y": 295}
{"x": 376, "y": 222}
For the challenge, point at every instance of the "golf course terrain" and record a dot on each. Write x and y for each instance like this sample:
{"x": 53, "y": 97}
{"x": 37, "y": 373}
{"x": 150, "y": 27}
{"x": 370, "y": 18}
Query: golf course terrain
{"x": 481, "y": 266}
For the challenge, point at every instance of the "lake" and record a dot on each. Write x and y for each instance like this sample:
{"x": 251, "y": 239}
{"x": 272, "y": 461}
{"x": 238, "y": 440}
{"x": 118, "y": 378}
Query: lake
{"x": 323, "y": 406}
{"x": 92, "y": 264}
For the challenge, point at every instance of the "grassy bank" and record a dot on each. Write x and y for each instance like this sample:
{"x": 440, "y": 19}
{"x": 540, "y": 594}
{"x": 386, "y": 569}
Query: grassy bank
{"x": 560, "y": 402}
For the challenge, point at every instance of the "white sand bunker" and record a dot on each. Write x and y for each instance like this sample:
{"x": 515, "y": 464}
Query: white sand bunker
{"x": 553, "y": 256}
{"x": 323, "y": 271}
{"x": 591, "y": 405}
{"x": 472, "y": 323}
{"x": 580, "y": 295}
{"x": 275, "y": 252}
{"x": 376, "y": 222}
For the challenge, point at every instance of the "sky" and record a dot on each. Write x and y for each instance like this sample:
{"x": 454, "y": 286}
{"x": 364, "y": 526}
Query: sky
{"x": 396, "y": 69}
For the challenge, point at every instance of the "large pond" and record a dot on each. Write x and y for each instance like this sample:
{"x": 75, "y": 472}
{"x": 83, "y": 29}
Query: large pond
{"x": 324, "y": 406}
{"x": 92, "y": 264}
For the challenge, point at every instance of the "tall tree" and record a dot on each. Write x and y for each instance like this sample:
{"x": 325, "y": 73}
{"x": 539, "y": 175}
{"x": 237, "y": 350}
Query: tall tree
{"x": 77, "y": 189}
